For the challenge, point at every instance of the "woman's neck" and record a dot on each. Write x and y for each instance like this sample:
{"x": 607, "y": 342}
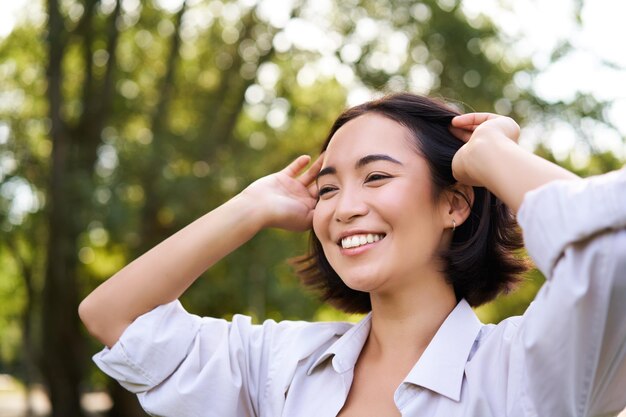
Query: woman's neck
{"x": 404, "y": 322}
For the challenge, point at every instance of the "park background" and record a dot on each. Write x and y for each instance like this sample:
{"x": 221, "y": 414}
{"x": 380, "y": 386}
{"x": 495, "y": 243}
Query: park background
{"x": 123, "y": 120}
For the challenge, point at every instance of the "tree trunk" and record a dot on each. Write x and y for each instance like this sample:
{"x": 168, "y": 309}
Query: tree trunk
{"x": 26, "y": 267}
{"x": 62, "y": 353}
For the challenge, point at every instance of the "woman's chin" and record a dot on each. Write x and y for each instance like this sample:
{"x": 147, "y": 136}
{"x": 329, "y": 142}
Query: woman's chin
{"x": 363, "y": 284}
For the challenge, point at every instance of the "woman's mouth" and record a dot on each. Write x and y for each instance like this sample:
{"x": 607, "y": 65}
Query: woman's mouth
{"x": 357, "y": 240}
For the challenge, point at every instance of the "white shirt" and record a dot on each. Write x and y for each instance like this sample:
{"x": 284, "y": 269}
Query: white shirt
{"x": 566, "y": 356}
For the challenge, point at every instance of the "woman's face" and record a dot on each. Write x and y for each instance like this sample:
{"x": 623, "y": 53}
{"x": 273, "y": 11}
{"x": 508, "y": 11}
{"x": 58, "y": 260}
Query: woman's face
{"x": 376, "y": 219}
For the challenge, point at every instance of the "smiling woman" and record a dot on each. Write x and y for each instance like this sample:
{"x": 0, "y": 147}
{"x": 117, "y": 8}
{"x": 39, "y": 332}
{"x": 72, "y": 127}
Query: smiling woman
{"x": 477, "y": 260}
{"x": 410, "y": 207}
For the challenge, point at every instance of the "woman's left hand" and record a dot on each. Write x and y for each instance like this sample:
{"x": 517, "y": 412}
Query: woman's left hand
{"x": 491, "y": 158}
{"x": 483, "y": 134}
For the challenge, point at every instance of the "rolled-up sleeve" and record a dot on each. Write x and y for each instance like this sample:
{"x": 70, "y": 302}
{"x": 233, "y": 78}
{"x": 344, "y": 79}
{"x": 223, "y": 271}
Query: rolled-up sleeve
{"x": 142, "y": 357}
{"x": 573, "y": 337}
{"x": 183, "y": 365}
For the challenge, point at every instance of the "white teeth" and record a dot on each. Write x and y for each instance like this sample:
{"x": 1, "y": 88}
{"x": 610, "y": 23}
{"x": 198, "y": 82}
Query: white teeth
{"x": 359, "y": 240}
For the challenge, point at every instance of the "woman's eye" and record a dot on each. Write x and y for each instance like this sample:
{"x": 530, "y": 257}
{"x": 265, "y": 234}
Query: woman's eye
{"x": 376, "y": 177}
{"x": 325, "y": 190}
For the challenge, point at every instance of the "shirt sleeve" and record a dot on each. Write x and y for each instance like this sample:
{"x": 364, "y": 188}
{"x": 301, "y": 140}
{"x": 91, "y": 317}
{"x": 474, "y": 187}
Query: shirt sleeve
{"x": 181, "y": 365}
{"x": 572, "y": 339}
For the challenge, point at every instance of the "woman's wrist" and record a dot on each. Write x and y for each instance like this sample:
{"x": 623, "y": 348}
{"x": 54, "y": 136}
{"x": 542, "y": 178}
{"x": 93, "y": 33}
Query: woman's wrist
{"x": 254, "y": 213}
{"x": 490, "y": 159}
{"x": 509, "y": 171}
{"x": 482, "y": 159}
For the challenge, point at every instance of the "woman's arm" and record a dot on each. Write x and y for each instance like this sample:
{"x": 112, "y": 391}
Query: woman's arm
{"x": 570, "y": 348}
{"x": 492, "y": 159}
{"x": 162, "y": 274}
{"x": 568, "y": 357}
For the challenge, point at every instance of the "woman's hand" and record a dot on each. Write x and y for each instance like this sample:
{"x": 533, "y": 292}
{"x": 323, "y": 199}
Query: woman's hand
{"x": 483, "y": 133}
{"x": 491, "y": 158}
{"x": 287, "y": 198}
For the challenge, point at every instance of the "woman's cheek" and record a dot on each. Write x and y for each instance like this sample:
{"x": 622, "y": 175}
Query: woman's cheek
{"x": 316, "y": 215}
{"x": 320, "y": 226}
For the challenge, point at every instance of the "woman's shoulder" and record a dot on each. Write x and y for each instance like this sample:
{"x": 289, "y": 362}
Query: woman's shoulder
{"x": 300, "y": 336}
{"x": 504, "y": 329}
{"x": 291, "y": 327}
{"x": 497, "y": 337}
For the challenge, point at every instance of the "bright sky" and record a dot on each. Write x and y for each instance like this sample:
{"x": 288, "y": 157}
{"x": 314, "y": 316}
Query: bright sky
{"x": 596, "y": 66}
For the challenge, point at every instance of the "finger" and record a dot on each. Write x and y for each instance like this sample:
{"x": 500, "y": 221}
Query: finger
{"x": 297, "y": 165}
{"x": 313, "y": 190}
{"x": 310, "y": 174}
{"x": 472, "y": 120}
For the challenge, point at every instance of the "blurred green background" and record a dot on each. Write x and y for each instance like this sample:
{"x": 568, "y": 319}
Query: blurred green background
{"x": 122, "y": 121}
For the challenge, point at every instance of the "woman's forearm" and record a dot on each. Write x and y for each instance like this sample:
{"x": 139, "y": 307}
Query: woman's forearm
{"x": 284, "y": 199}
{"x": 509, "y": 171}
{"x": 162, "y": 274}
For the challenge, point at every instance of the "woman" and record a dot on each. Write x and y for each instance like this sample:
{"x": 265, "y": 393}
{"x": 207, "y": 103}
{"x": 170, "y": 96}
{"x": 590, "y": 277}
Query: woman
{"x": 404, "y": 227}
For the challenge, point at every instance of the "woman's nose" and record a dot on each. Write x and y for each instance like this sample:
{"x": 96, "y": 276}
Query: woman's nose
{"x": 350, "y": 205}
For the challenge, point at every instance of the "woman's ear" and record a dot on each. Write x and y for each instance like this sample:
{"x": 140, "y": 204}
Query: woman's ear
{"x": 459, "y": 200}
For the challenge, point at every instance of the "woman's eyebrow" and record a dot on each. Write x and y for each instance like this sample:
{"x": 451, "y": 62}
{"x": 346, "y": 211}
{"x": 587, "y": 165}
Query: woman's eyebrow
{"x": 376, "y": 157}
{"x": 368, "y": 159}
{"x": 326, "y": 171}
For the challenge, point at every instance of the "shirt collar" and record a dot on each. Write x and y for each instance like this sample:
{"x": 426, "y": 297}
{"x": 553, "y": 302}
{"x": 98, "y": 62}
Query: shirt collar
{"x": 346, "y": 350}
{"x": 442, "y": 365}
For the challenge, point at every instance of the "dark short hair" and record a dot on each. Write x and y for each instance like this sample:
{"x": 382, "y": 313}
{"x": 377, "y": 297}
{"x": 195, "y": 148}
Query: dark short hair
{"x": 481, "y": 261}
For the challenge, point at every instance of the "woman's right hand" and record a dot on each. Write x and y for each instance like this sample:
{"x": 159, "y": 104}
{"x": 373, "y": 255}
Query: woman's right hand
{"x": 287, "y": 198}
